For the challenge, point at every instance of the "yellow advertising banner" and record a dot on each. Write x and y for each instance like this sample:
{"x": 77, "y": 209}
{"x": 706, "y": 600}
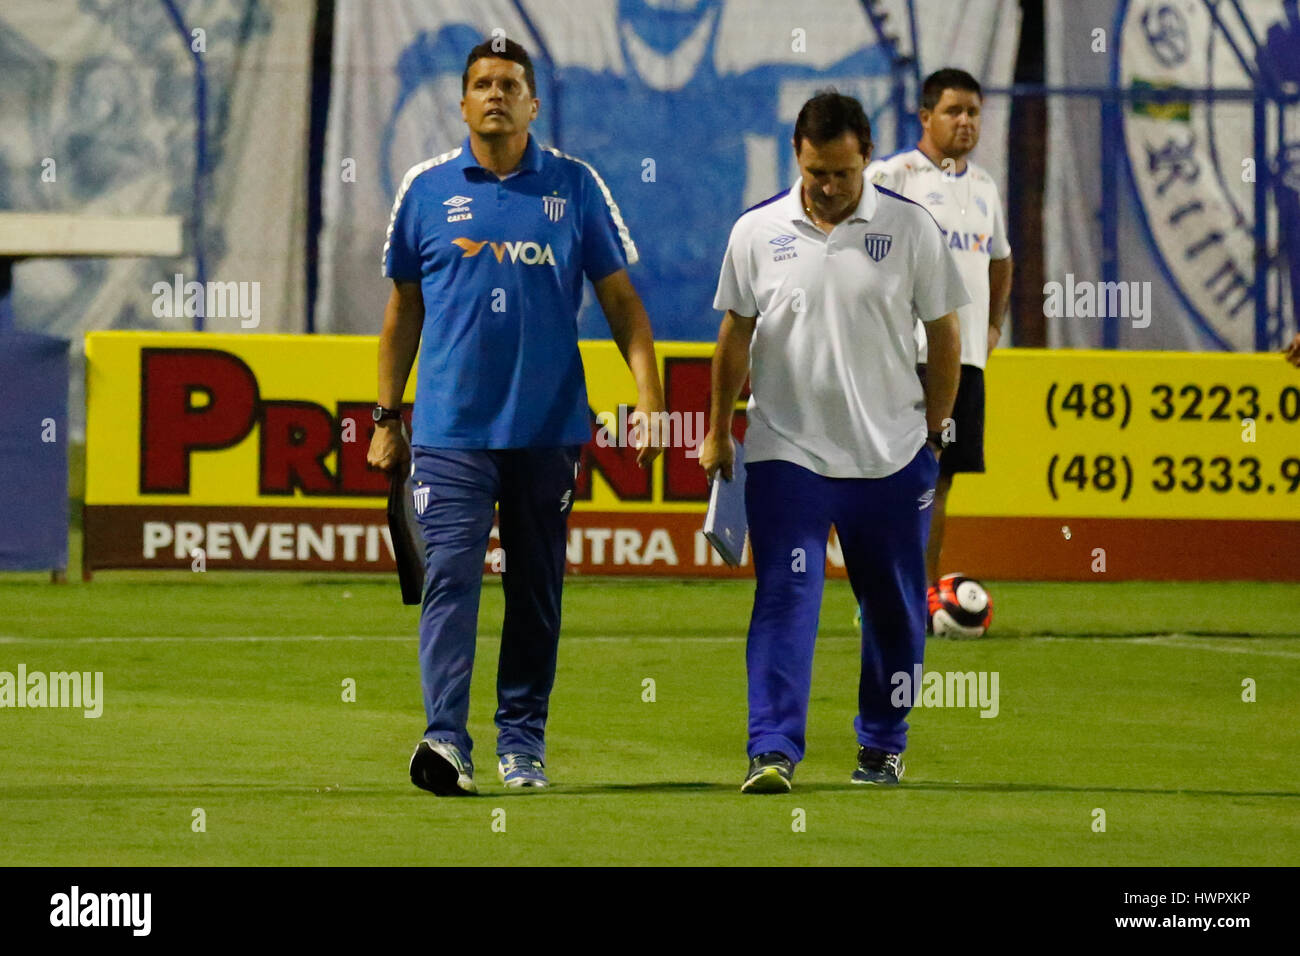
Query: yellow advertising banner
{"x": 1138, "y": 435}
{"x": 205, "y": 427}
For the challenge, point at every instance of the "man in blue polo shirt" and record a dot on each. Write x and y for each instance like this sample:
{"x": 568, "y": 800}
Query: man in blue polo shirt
{"x": 487, "y": 249}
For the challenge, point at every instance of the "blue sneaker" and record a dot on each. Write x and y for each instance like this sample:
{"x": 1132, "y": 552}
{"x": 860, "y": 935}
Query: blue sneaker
{"x": 439, "y": 767}
{"x": 877, "y": 767}
{"x": 770, "y": 772}
{"x": 518, "y": 771}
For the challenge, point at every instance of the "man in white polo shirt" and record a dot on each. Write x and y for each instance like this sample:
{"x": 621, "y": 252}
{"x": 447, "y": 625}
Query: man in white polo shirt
{"x": 821, "y": 285}
{"x": 964, "y": 200}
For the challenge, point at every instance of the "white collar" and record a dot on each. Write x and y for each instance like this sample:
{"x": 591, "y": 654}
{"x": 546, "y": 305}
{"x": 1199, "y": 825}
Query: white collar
{"x": 865, "y": 209}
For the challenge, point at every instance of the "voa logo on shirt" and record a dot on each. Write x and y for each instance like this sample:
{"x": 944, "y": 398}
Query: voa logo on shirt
{"x": 528, "y": 253}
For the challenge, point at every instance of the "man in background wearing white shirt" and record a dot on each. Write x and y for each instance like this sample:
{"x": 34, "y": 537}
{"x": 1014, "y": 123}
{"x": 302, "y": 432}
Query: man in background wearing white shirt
{"x": 964, "y": 201}
{"x": 821, "y": 285}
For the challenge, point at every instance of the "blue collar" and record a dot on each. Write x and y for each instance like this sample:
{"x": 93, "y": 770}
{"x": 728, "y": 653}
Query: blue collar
{"x": 530, "y": 163}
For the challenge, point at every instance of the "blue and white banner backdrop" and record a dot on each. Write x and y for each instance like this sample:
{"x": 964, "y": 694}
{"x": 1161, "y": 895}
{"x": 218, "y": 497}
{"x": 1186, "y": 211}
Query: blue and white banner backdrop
{"x": 33, "y": 452}
{"x": 685, "y": 108}
{"x": 1183, "y": 202}
{"x": 99, "y": 109}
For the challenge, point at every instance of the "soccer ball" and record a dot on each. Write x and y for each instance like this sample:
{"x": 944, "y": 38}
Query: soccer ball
{"x": 960, "y": 607}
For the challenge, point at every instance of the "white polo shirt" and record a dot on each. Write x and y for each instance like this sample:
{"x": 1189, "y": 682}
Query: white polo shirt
{"x": 969, "y": 211}
{"x": 833, "y": 359}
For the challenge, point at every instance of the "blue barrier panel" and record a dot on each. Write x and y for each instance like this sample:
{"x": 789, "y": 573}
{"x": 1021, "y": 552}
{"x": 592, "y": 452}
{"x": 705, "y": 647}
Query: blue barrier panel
{"x": 33, "y": 452}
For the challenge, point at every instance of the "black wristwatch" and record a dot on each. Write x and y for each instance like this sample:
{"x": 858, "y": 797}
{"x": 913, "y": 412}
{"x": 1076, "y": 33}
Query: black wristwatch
{"x": 380, "y": 414}
{"x": 936, "y": 439}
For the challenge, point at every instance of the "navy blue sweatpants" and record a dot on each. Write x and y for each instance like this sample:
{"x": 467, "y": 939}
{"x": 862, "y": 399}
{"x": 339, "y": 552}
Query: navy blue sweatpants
{"x": 534, "y": 488}
{"x": 883, "y": 524}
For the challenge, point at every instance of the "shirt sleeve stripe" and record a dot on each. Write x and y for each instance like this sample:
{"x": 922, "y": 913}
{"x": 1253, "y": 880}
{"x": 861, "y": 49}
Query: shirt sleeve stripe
{"x": 409, "y": 178}
{"x": 629, "y": 247}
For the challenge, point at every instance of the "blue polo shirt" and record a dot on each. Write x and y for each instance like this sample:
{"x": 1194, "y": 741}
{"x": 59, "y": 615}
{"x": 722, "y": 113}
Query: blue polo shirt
{"x": 500, "y": 262}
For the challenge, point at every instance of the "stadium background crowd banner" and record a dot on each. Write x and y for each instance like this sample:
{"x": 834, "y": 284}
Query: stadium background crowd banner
{"x": 684, "y": 109}
{"x": 33, "y": 452}
{"x": 251, "y": 450}
{"x": 70, "y": 63}
{"x": 1169, "y": 162}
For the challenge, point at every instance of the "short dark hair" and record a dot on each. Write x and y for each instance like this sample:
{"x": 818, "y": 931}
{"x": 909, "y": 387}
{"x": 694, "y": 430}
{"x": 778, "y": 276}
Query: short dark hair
{"x": 500, "y": 48}
{"x": 947, "y": 79}
{"x": 829, "y": 115}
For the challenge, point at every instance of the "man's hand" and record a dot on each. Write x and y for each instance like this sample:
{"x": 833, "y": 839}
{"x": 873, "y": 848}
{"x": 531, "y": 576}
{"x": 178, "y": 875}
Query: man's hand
{"x": 717, "y": 454}
{"x": 388, "y": 448}
{"x": 728, "y": 371}
{"x": 1000, "y": 272}
{"x": 1292, "y": 351}
{"x": 942, "y": 370}
{"x": 995, "y": 336}
{"x": 398, "y": 342}
{"x": 650, "y": 410}
{"x": 630, "y": 327}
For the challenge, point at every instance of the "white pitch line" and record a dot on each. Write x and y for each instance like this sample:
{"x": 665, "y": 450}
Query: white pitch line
{"x": 221, "y": 638}
{"x": 1181, "y": 641}
{"x": 1185, "y": 642}
{"x": 287, "y": 638}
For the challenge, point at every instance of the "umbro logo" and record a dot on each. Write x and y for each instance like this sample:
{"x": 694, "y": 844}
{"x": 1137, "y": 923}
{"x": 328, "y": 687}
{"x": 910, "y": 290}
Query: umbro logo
{"x": 456, "y": 211}
{"x": 784, "y": 248}
{"x": 925, "y": 500}
{"x": 564, "y": 499}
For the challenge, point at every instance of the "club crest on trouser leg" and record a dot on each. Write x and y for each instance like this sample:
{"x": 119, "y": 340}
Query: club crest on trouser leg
{"x": 878, "y": 245}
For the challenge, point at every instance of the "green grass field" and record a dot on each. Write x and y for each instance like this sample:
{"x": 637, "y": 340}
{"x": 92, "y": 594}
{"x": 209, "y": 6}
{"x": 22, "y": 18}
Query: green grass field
{"x": 223, "y": 692}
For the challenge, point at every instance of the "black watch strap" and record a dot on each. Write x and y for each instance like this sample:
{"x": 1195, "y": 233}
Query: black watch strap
{"x": 382, "y": 414}
{"x": 936, "y": 439}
